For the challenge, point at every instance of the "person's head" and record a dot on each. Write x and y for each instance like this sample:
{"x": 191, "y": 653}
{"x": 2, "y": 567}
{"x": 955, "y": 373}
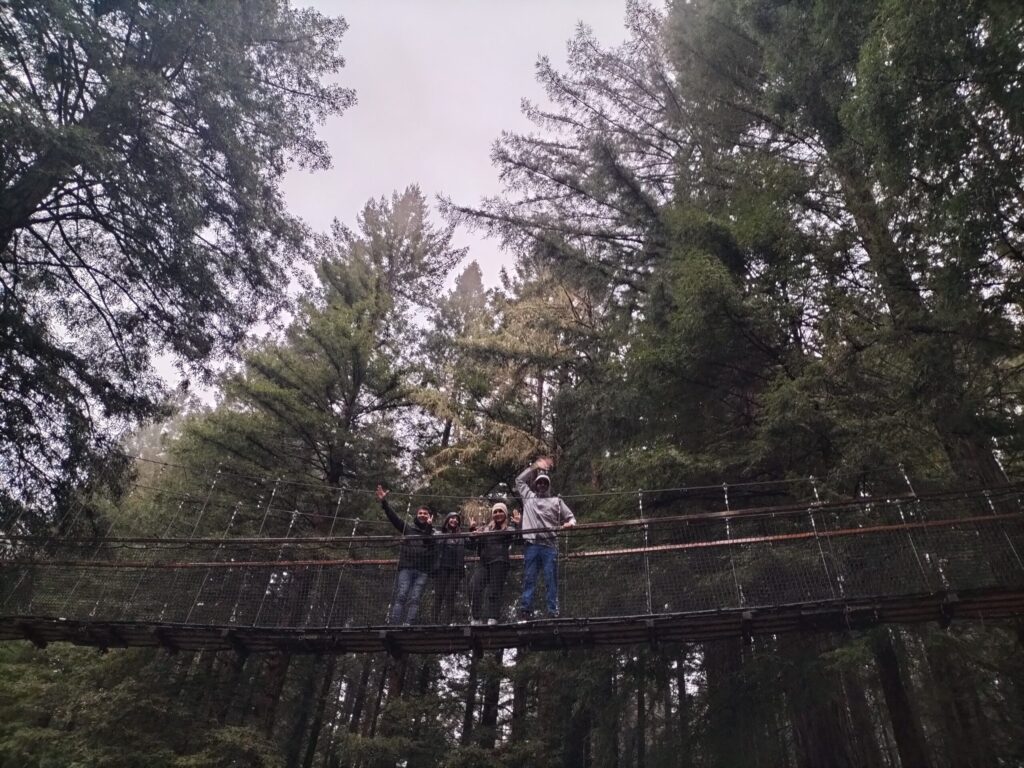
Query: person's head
{"x": 452, "y": 522}
{"x": 424, "y": 516}
{"x": 499, "y": 515}
{"x": 542, "y": 484}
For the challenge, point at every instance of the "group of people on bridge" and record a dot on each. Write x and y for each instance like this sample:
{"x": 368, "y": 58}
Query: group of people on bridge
{"x": 427, "y": 552}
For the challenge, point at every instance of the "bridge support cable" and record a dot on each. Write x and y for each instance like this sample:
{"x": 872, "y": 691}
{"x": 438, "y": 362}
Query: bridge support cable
{"x": 216, "y": 558}
{"x": 1009, "y": 541}
{"x": 276, "y": 577}
{"x": 263, "y": 526}
{"x": 817, "y": 538}
{"x": 315, "y": 589}
{"x": 341, "y": 578}
{"x": 142, "y": 573}
{"x": 647, "y": 545}
{"x": 195, "y": 527}
{"x": 727, "y": 572}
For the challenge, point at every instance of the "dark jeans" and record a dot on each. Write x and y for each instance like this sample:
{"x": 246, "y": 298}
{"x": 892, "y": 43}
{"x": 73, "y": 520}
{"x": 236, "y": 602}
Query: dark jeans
{"x": 446, "y": 589}
{"x": 537, "y": 557}
{"x": 408, "y": 590}
{"x": 487, "y": 590}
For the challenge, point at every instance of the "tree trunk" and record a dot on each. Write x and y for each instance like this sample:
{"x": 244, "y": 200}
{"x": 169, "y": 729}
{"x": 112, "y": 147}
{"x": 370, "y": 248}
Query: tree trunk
{"x": 232, "y": 687}
{"x": 641, "y": 711}
{"x": 965, "y": 440}
{"x": 358, "y": 698}
{"x": 538, "y": 430}
{"x": 964, "y": 726}
{"x": 307, "y": 696}
{"x": 470, "y": 699}
{"x": 905, "y": 726}
{"x": 519, "y": 694}
{"x": 370, "y": 726}
{"x": 318, "y": 714}
{"x": 865, "y": 731}
{"x": 683, "y": 715}
{"x": 487, "y": 735}
{"x": 269, "y": 695}
{"x": 814, "y": 701}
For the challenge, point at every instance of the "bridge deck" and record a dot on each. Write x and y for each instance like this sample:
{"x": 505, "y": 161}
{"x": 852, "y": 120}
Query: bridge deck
{"x": 559, "y": 634}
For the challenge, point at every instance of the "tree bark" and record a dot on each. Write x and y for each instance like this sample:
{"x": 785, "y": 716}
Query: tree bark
{"x": 470, "y": 699}
{"x": 269, "y": 695}
{"x": 519, "y": 694}
{"x": 964, "y": 727}
{"x": 905, "y": 725}
{"x": 487, "y": 734}
{"x": 867, "y": 747}
{"x": 318, "y": 713}
{"x": 359, "y": 697}
{"x": 304, "y": 707}
{"x": 370, "y": 726}
{"x": 683, "y": 708}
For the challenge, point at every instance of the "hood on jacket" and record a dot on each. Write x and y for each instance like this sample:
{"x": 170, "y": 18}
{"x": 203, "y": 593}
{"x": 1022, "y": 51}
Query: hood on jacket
{"x": 543, "y": 476}
{"x": 448, "y": 517}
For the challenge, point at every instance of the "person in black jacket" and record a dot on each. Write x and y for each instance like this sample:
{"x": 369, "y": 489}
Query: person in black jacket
{"x": 493, "y": 545}
{"x": 416, "y": 559}
{"x": 451, "y": 567}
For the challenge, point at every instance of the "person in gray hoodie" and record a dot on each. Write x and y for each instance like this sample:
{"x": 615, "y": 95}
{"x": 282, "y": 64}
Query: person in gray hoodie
{"x": 543, "y": 515}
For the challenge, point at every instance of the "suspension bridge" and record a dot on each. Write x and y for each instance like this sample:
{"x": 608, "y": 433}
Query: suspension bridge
{"x": 814, "y": 566}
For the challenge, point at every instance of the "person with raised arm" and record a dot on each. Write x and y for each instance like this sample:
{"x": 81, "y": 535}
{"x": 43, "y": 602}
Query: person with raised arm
{"x": 493, "y": 544}
{"x": 416, "y": 560}
{"x": 543, "y": 516}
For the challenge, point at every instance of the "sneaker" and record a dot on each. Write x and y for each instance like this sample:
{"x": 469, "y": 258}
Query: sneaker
{"x": 553, "y": 615}
{"x": 491, "y": 622}
{"x": 525, "y": 616}
{"x": 476, "y": 622}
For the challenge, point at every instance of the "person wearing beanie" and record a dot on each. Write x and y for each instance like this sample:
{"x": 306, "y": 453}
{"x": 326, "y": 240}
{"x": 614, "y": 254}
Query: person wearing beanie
{"x": 416, "y": 560}
{"x": 543, "y": 515}
{"x": 451, "y": 567}
{"x": 493, "y": 544}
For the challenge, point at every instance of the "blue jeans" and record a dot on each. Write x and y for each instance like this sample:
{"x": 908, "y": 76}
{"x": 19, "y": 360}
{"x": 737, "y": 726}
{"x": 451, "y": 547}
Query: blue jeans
{"x": 538, "y": 556}
{"x": 408, "y": 589}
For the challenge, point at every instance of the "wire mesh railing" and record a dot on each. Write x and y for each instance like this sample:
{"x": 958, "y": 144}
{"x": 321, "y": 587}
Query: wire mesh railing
{"x": 755, "y": 558}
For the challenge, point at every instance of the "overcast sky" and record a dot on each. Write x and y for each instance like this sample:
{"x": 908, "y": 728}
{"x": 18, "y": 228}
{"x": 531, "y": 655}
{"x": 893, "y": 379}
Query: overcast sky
{"x": 436, "y": 82}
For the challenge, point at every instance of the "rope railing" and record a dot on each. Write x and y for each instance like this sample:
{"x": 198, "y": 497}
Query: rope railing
{"x": 758, "y": 559}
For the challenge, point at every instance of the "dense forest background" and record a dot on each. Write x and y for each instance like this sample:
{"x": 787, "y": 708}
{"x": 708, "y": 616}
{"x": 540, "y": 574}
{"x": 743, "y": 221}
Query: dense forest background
{"x": 760, "y": 240}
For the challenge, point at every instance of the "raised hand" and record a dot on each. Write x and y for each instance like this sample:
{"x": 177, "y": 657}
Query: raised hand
{"x": 381, "y": 493}
{"x": 545, "y": 463}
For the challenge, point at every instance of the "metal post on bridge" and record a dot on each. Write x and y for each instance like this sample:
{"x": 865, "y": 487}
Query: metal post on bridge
{"x": 647, "y": 555}
{"x": 910, "y": 535}
{"x": 148, "y": 567}
{"x": 320, "y": 568}
{"x": 341, "y": 573}
{"x": 992, "y": 508}
{"x": 243, "y": 587}
{"x": 732, "y": 560}
{"x": 216, "y": 559}
{"x": 192, "y": 533}
{"x": 270, "y": 578}
{"x": 817, "y": 540}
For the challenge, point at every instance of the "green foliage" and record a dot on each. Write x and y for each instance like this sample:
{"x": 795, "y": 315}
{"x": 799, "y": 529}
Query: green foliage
{"x": 140, "y": 206}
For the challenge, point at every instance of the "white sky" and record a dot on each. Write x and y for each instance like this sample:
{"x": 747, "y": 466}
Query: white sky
{"x": 436, "y": 82}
